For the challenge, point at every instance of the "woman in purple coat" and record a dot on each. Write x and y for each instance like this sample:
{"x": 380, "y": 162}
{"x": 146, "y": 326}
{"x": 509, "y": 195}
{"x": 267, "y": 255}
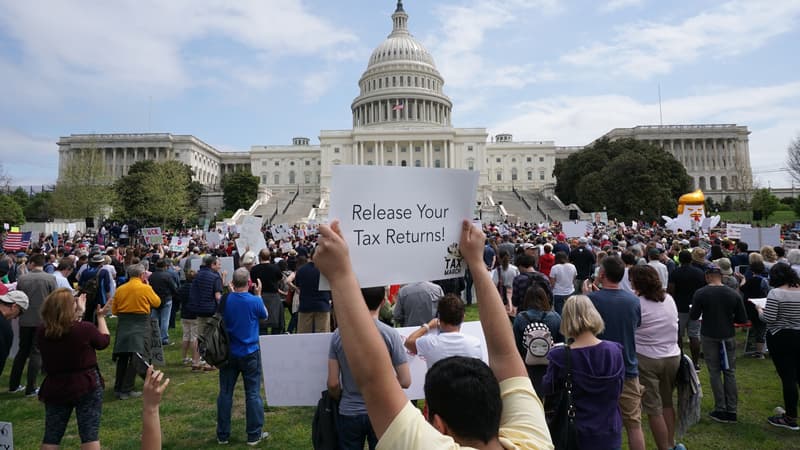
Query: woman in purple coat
{"x": 598, "y": 373}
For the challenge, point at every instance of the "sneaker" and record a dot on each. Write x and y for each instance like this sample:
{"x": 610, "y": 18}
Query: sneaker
{"x": 34, "y": 393}
{"x": 19, "y": 389}
{"x": 731, "y": 417}
{"x": 128, "y": 395}
{"x": 187, "y": 361}
{"x": 758, "y": 355}
{"x": 679, "y": 446}
{"x": 221, "y": 442}
{"x": 264, "y": 435}
{"x": 783, "y": 421}
{"x": 719, "y": 416}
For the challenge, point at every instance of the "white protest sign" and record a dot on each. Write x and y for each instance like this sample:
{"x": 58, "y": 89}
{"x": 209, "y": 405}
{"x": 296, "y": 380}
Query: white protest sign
{"x": 733, "y": 230}
{"x": 72, "y": 228}
{"x": 760, "y": 302}
{"x": 789, "y": 244}
{"x": 194, "y": 263}
{"x": 286, "y": 247}
{"x": 252, "y": 242}
{"x": 6, "y": 436}
{"x": 226, "y": 266}
{"x": 178, "y": 243}
{"x": 759, "y": 237}
{"x": 292, "y": 380}
{"x": 152, "y": 236}
{"x": 281, "y": 232}
{"x": 408, "y": 215}
{"x": 213, "y": 239}
{"x": 251, "y": 223}
{"x": 576, "y": 229}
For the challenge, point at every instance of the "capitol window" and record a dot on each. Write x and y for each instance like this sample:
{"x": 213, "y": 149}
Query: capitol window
{"x": 437, "y": 149}
{"x": 291, "y": 177}
{"x": 308, "y": 163}
{"x": 402, "y": 150}
{"x": 335, "y": 149}
{"x": 530, "y": 175}
{"x": 389, "y": 162}
{"x": 277, "y": 178}
{"x": 308, "y": 178}
{"x": 513, "y": 174}
{"x": 370, "y": 163}
{"x": 277, "y": 163}
{"x": 499, "y": 176}
{"x": 528, "y": 159}
{"x": 417, "y": 163}
{"x": 437, "y": 163}
{"x": 263, "y": 163}
{"x": 417, "y": 149}
{"x": 403, "y": 163}
{"x": 291, "y": 163}
{"x": 497, "y": 159}
{"x": 541, "y": 159}
{"x": 469, "y": 148}
{"x": 263, "y": 179}
{"x": 471, "y": 164}
{"x": 541, "y": 174}
{"x": 513, "y": 160}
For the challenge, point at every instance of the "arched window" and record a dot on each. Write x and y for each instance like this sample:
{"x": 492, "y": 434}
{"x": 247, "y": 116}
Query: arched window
{"x": 263, "y": 179}
{"x": 713, "y": 182}
{"x": 417, "y": 163}
{"x": 702, "y": 183}
{"x": 389, "y": 162}
{"x": 513, "y": 174}
{"x": 471, "y": 164}
{"x": 403, "y": 163}
{"x": 723, "y": 181}
{"x": 307, "y": 177}
{"x": 277, "y": 178}
{"x": 291, "y": 177}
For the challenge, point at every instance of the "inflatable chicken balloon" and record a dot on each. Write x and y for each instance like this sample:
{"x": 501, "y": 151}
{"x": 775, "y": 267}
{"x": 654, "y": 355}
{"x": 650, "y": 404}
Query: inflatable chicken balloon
{"x": 691, "y": 214}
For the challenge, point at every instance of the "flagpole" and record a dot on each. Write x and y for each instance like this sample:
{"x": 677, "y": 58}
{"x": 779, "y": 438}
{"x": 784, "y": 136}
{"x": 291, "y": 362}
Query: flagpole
{"x": 660, "y": 112}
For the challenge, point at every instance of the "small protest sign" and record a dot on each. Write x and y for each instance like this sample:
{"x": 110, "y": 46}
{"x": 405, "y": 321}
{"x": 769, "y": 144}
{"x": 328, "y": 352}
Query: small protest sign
{"x": 759, "y": 237}
{"x": 152, "y": 236}
{"x": 790, "y": 244}
{"x": 410, "y": 216}
{"x": 733, "y": 230}
{"x": 281, "y": 232}
{"x": 226, "y": 269}
{"x": 576, "y": 229}
{"x": 178, "y": 243}
{"x": 6, "y": 436}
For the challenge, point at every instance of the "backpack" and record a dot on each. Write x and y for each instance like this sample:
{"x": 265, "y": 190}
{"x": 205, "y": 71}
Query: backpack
{"x": 92, "y": 290}
{"x": 212, "y": 341}
{"x": 537, "y": 340}
{"x": 324, "y": 434}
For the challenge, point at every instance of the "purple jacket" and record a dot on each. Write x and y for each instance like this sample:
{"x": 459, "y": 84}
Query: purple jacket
{"x": 598, "y": 373}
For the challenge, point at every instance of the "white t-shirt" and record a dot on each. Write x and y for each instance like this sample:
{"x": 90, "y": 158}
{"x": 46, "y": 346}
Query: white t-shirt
{"x": 508, "y": 275}
{"x": 436, "y": 346}
{"x": 564, "y": 274}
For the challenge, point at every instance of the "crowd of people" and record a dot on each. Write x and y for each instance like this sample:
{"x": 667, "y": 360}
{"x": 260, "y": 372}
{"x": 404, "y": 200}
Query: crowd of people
{"x": 610, "y": 310}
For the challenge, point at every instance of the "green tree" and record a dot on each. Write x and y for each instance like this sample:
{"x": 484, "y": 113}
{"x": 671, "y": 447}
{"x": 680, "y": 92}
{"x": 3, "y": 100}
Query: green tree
{"x": 764, "y": 201}
{"x": 84, "y": 187}
{"x": 727, "y": 203}
{"x": 39, "y": 207}
{"x": 157, "y": 193}
{"x": 10, "y": 212}
{"x": 239, "y": 190}
{"x": 625, "y": 176}
{"x": 20, "y": 196}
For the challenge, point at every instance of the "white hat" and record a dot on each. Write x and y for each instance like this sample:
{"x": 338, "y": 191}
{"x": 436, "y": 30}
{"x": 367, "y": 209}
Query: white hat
{"x": 17, "y": 297}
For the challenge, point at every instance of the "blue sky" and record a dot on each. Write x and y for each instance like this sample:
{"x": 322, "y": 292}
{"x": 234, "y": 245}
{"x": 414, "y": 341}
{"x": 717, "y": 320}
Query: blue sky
{"x": 259, "y": 72}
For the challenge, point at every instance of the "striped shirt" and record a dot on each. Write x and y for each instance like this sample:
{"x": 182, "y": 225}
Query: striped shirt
{"x": 783, "y": 310}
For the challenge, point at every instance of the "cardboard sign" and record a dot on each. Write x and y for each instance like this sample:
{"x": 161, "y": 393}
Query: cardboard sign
{"x": 407, "y": 215}
{"x": 195, "y": 263}
{"x": 759, "y": 237}
{"x": 290, "y": 380}
{"x": 576, "y": 229}
{"x": 153, "y": 236}
{"x": 178, "y": 243}
{"x": 251, "y": 223}
{"x": 733, "y": 230}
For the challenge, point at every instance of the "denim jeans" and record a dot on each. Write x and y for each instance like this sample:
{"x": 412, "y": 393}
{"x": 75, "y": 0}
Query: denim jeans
{"x": 559, "y": 300}
{"x": 250, "y": 368}
{"x": 162, "y": 314}
{"x": 723, "y": 388}
{"x": 353, "y": 430}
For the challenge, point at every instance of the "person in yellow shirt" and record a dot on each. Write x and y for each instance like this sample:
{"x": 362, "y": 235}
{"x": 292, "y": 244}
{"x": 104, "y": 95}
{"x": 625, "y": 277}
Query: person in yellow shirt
{"x": 131, "y": 304}
{"x": 470, "y": 404}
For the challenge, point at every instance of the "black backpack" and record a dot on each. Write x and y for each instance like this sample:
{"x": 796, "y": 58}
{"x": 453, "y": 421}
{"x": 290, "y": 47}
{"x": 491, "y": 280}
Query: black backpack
{"x": 212, "y": 341}
{"x": 323, "y": 428}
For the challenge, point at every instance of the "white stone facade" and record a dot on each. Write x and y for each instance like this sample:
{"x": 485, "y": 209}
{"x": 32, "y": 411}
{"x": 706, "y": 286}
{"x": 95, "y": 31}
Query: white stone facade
{"x": 402, "y": 117}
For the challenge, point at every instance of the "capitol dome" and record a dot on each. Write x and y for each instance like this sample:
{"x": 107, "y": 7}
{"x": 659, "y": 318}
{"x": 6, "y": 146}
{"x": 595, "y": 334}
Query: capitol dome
{"x": 401, "y": 85}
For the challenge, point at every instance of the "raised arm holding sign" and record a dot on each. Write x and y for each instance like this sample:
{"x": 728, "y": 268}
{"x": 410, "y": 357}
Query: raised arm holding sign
{"x": 463, "y": 394}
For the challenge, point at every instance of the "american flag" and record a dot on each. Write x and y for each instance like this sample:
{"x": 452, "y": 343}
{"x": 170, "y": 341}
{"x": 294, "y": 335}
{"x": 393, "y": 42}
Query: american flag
{"x": 16, "y": 240}
{"x": 398, "y": 107}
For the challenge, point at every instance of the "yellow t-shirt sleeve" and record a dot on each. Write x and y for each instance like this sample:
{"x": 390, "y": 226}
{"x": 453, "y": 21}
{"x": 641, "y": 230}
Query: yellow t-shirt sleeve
{"x": 522, "y": 423}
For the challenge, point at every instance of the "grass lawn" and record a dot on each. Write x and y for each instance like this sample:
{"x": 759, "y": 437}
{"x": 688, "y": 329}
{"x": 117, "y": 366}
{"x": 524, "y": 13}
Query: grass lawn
{"x": 780, "y": 217}
{"x": 188, "y": 412}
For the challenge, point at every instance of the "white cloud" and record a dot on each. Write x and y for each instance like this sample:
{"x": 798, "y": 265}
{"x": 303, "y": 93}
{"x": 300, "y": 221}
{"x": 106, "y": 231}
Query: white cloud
{"x": 771, "y": 112}
{"x": 317, "y": 84}
{"x": 614, "y": 5}
{"x": 28, "y": 160}
{"x": 644, "y": 49}
{"x": 144, "y": 46}
{"x": 458, "y": 51}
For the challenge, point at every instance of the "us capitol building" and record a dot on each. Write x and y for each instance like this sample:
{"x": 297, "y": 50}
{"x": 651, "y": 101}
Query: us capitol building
{"x": 402, "y": 117}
